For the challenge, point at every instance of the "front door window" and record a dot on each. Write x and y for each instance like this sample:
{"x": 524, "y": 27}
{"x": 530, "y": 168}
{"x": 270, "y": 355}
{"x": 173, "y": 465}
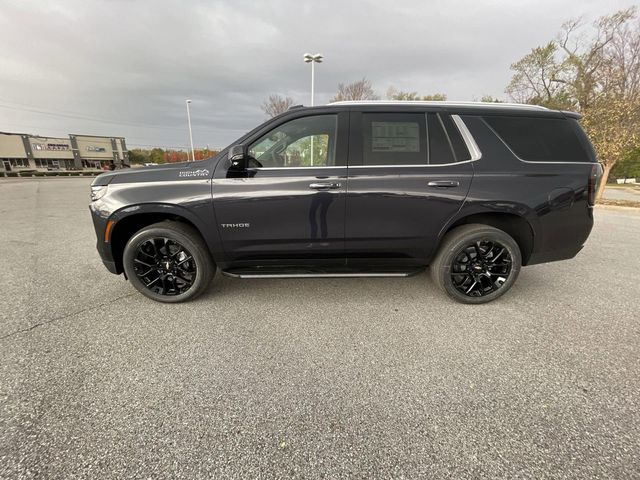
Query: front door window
{"x": 303, "y": 142}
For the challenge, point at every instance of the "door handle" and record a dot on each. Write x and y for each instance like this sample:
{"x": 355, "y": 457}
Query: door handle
{"x": 444, "y": 183}
{"x": 325, "y": 186}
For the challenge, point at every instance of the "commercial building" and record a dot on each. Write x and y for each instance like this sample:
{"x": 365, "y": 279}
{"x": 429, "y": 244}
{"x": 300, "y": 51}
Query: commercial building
{"x": 91, "y": 151}
{"x": 51, "y": 153}
{"x": 21, "y": 151}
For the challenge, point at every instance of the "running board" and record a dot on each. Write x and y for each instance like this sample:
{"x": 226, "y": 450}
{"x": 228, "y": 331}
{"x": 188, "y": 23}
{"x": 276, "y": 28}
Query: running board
{"x": 302, "y": 272}
{"x": 318, "y": 275}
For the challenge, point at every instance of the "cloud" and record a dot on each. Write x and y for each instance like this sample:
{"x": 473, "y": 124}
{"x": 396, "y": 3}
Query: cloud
{"x": 130, "y": 65}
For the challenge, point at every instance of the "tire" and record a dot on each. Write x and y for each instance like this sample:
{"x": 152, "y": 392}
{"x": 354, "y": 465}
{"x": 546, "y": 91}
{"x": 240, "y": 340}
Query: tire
{"x": 177, "y": 261}
{"x": 474, "y": 251}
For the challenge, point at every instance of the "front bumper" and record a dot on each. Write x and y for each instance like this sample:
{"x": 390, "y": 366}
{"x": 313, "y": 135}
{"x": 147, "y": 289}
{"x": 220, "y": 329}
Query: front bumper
{"x": 104, "y": 248}
{"x": 111, "y": 266}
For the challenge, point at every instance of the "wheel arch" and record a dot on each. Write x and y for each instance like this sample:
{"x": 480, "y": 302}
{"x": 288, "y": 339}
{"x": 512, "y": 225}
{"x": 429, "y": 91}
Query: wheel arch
{"x": 518, "y": 227}
{"x": 133, "y": 219}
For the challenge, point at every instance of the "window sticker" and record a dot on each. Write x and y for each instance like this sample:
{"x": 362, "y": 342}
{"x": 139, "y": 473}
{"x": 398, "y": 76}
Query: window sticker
{"x": 395, "y": 137}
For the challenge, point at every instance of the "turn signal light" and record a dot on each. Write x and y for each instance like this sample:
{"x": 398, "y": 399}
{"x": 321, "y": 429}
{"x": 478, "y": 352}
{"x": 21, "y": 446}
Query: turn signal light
{"x": 107, "y": 230}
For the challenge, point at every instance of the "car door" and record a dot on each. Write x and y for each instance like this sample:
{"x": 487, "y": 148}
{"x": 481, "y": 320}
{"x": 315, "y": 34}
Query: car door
{"x": 409, "y": 173}
{"x": 289, "y": 204}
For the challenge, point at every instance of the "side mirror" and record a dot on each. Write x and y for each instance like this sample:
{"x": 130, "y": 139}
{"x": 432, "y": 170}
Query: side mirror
{"x": 237, "y": 157}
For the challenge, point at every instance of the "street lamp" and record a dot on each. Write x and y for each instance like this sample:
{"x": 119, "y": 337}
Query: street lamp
{"x": 312, "y": 59}
{"x": 193, "y": 154}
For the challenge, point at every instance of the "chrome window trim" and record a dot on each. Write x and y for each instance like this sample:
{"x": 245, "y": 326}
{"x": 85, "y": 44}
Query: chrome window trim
{"x": 296, "y": 168}
{"x": 555, "y": 163}
{"x": 472, "y": 146}
{"x": 420, "y": 165}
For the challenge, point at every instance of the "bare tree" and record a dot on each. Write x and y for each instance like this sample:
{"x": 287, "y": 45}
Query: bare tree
{"x": 435, "y": 97}
{"x": 358, "y": 90}
{"x": 597, "y": 73}
{"x": 536, "y": 79}
{"x": 612, "y": 119}
{"x": 394, "y": 94}
{"x": 585, "y": 63}
{"x": 275, "y": 105}
{"x": 490, "y": 99}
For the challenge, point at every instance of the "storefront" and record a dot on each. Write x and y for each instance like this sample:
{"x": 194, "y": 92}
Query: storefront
{"x": 20, "y": 152}
{"x": 52, "y": 153}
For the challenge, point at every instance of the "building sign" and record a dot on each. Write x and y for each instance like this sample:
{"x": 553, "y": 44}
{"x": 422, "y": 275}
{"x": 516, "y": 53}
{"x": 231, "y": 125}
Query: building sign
{"x": 50, "y": 146}
{"x": 91, "y": 148}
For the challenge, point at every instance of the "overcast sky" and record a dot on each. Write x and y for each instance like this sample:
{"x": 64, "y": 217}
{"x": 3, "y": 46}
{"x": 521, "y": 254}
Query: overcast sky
{"x": 125, "y": 67}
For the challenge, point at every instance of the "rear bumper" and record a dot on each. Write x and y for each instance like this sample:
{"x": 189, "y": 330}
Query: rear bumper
{"x": 554, "y": 255}
{"x": 562, "y": 238}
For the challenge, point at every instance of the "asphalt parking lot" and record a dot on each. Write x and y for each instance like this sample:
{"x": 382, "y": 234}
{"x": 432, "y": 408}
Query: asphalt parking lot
{"x": 317, "y": 378}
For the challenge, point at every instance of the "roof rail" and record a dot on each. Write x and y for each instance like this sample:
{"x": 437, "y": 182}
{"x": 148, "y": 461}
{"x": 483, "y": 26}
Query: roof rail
{"x": 440, "y": 103}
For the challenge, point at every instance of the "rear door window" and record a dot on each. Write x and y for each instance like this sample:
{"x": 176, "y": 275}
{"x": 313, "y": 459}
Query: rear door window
{"x": 539, "y": 139}
{"x": 460, "y": 149}
{"x": 440, "y": 150}
{"x": 445, "y": 142}
{"x": 411, "y": 139}
{"x": 394, "y": 139}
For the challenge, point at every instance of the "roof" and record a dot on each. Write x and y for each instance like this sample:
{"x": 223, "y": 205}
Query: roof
{"x": 515, "y": 106}
{"x": 66, "y": 139}
{"x": 95, "y": 136}
{"x": 15, "y": 133}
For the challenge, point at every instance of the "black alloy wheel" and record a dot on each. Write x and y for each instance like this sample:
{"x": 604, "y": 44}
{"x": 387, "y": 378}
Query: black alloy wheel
{"x": 481, "y": 268}
{"x": 164, "y": 266}
{"x": 168, "y": 262}
{"x": 476, "y": 263}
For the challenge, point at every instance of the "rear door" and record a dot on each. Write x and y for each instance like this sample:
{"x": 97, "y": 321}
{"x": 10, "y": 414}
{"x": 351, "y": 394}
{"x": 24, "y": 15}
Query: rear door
{"x": 409, "y": 173}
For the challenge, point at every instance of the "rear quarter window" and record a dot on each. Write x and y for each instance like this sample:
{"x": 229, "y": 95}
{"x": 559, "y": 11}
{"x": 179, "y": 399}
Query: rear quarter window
{"x": 539, "y": 139}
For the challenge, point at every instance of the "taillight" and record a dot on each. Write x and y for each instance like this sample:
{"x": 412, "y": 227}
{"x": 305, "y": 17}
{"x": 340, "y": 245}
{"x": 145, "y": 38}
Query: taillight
{"x": 592, "y": 185}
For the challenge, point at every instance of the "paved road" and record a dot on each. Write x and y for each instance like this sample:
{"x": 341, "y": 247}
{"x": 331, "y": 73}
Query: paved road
{"x": 375, "y": 378}
{"x": 628, "y": 193}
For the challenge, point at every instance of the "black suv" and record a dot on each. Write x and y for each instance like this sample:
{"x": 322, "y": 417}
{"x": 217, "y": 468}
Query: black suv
{"x": 472, "y": 190}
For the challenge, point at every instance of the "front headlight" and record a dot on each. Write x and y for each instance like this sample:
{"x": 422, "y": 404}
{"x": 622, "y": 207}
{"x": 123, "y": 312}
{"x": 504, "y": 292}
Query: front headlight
{"x": 97, "y": 192}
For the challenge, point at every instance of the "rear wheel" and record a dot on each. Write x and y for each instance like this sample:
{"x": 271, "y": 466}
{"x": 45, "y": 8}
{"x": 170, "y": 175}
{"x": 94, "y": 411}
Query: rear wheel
{"x": 476, "y": 263}
{"x": 168, "y": 262}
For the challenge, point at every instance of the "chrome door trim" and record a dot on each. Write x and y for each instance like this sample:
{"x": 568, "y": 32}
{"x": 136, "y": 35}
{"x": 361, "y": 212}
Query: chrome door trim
{"x": 472, "y": 146}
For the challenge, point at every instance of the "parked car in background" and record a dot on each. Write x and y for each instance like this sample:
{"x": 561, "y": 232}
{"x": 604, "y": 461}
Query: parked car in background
{"x": 475, "y": 191}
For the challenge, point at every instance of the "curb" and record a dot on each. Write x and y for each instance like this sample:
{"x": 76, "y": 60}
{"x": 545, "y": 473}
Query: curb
{"x": 618, "y": 207}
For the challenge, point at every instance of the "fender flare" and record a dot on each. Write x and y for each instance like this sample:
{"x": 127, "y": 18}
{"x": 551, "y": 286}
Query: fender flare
{"x": 469, "y": 209}
{"x": 206, "y": 227}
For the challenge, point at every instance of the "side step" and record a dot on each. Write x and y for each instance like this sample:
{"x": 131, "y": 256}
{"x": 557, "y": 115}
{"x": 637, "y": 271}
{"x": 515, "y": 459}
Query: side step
{"x": 315, "y": 274}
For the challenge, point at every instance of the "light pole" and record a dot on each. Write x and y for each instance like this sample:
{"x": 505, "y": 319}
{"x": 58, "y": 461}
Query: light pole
{"x": 312, "y": 59}
{"x": 193, "y": 154}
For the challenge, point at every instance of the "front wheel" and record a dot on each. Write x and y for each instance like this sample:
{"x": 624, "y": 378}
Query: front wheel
{"x": 168, "y": 262}
{"x": 476, "y": 263}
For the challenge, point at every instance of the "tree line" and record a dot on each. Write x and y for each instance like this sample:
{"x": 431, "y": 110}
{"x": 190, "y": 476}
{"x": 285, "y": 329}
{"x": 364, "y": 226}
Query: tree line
{"x": 160, "y": 155}
{"x": 592, "y": 69}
